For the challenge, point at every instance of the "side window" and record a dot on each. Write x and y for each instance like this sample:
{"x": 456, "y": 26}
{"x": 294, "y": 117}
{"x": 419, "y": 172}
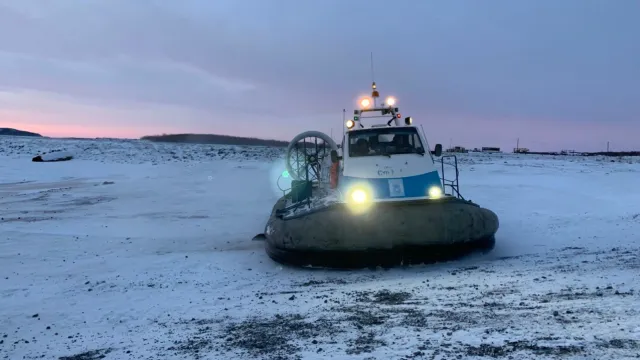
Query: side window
{"x": 415, "y": 141}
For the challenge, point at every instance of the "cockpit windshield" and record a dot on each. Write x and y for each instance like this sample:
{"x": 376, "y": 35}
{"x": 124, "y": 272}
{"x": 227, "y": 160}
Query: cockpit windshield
{"x": 385, "y": 141}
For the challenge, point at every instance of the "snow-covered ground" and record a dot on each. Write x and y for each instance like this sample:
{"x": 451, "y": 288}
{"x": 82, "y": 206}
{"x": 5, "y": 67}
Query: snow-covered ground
{"x": 135, "y": 250}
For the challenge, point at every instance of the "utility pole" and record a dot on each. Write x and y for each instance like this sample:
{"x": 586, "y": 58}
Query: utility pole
{"x": 607, "y": 146}
{"x": 344, "y": 118}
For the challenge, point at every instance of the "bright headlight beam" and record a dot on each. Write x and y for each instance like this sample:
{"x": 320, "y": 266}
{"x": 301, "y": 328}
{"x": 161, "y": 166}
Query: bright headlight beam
{"x": 435, "y": 192}
{"x": 359, "y": 196}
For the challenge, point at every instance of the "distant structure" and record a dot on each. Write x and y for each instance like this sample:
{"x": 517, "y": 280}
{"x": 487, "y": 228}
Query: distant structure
{"x": 490, "y": 149}
{"x": 457, "y": 149}
{"x": 570, "y": 152}
{"x": 518, "y": 149}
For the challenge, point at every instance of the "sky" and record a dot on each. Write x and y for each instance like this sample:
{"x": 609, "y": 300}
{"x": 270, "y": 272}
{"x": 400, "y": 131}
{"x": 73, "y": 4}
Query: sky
{"x": 555, "y": 74}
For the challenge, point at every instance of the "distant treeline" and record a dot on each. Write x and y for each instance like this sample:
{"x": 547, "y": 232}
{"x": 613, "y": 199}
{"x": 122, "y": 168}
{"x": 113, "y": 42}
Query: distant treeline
{"x": 16, "y": 132}
{"x": 602, "y": 153}
{"x": 614, "y": 153}
{"x": 214, "y": 139}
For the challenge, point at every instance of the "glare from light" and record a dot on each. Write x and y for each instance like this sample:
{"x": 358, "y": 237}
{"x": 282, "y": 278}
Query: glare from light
{"x": 435, "y": 192}
{"x": 350, "y": 124}
{"x": 359, "y": 196}
{"x": 365, "y": 103}
{"x": 391, "y": 101}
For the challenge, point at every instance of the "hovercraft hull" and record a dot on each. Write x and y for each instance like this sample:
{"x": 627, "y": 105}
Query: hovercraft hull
{"x": 387, "y": 234}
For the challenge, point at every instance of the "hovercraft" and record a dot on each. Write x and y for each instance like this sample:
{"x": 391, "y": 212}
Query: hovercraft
{"x": 375, "y": 200}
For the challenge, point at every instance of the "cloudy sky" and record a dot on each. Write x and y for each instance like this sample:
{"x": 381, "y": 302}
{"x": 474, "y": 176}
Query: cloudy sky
{"x": 556, "y": 74}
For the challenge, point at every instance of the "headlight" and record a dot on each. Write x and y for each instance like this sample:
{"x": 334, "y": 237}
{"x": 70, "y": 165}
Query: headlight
{"x": 435, "y": 192}
{"x": 358, "y": 196}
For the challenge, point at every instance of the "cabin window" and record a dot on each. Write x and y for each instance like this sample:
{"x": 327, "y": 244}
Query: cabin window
{"x": 384, "y": 142}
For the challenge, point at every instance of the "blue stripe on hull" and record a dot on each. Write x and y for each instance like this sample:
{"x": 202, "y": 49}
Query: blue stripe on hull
{"x": 396, "y": 188}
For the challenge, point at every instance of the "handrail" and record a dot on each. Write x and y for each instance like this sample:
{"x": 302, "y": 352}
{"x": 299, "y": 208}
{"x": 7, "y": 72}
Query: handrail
{"x": 453, "y": 184}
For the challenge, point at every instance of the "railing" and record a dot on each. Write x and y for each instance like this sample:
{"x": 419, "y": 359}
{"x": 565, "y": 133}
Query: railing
{"x": 284, "y": 191}
{"x": 306, "y": 200}
{"x": 454, "y": 185}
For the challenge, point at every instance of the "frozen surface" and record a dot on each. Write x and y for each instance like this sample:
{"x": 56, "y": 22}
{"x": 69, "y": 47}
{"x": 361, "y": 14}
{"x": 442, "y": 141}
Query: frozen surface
{"x": 135, "y": 250}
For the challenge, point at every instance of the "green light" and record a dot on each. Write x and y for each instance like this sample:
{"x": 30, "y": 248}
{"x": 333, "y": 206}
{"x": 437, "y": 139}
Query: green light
{"x": 355, "y": 118}
{"x": 285, "y": 174}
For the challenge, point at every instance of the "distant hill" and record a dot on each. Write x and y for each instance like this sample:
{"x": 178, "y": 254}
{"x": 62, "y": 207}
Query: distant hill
{"x": 214, "y": 139}
{"x": 16, "y": 132}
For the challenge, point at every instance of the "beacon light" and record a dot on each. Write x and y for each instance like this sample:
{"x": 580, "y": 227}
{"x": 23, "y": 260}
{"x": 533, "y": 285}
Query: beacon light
{"x": 391, "y": 101}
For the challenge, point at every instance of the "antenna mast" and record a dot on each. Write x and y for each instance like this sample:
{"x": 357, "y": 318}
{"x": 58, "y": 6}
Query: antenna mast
{"x": 373, "y": 78}
{"x": 374, "y": 92}
{"x": 344, "y": 115}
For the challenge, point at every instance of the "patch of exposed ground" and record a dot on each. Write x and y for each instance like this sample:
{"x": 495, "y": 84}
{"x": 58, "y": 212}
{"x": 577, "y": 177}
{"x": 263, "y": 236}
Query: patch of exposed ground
{"x": 384, "y": 297}
{"x": 364, "y": 343}
{"x": 89, "y": 200}
{"x": 580, "y": 294}
{"x": 88, "y": 355}
{"x": 505, "y": 319}
{"x": 510, "y": 348}
{"x": 280, "y": 337}
{"x": 322, "y": 282}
